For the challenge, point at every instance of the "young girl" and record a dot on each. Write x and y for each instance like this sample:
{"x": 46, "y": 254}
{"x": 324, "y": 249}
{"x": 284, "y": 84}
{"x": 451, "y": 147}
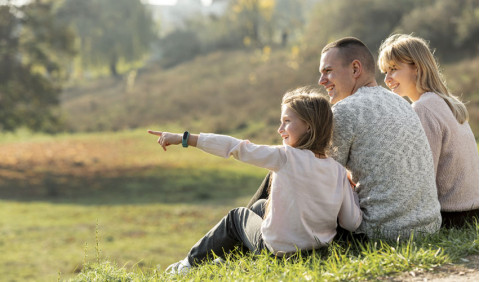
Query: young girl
{"x": 411, "y": 70}
{"x": 309, "y": 190}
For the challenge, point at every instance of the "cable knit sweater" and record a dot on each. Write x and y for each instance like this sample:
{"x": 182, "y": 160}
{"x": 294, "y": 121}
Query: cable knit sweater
{"x": 455, "y": 154}
{"x": 380, "y": 139}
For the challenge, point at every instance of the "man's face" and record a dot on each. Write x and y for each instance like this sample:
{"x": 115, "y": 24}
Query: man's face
{"x": 336, "y": 77}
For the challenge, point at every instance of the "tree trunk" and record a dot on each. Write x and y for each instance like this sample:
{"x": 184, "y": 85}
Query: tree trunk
{"x": 113, "y": 66}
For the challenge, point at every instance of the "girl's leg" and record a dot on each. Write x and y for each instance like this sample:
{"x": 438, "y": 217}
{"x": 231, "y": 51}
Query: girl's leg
{"x": 239, "y": 228}
{"x": 259, "y": 207}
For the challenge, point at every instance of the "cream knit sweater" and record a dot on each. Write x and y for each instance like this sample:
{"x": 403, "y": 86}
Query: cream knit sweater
{"x": 455, "y": 154}
{"x": 308, "y": 194}
{"x": 380, "y": 139}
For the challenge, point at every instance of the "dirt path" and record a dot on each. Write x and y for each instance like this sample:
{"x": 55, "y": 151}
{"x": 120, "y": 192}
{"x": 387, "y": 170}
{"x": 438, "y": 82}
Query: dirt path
{"x": 465, "y": 270}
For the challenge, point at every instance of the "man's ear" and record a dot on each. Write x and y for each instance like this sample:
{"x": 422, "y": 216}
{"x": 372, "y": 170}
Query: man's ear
{"x": 357, "y": 68}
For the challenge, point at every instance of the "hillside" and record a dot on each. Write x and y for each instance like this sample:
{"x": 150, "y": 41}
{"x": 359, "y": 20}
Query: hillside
{"x": 222, "y": 92}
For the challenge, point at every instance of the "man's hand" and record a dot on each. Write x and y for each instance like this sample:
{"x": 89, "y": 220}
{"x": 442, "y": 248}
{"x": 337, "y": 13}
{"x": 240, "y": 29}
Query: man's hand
{"x": 349, "y": 176}
{"x": 166, "y": 138}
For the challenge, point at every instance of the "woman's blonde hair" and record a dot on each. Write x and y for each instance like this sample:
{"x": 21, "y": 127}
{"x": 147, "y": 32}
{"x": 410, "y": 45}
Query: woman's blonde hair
{"x": 314, "y": 109}
{"x": 408, "y": 49}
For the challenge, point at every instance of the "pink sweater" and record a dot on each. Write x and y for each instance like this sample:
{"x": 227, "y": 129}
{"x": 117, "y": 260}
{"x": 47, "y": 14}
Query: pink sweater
{"x": 308, "y": 194}
{"x": 455, "y": 154}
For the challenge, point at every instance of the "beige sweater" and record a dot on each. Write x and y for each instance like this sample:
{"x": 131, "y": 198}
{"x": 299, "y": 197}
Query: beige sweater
{"x": 308, "y": 194}
{"x": 455, "y": 154}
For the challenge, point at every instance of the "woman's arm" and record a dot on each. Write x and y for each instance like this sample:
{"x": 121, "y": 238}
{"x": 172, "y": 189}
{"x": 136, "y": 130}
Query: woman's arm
{"x": 433, "y": 130}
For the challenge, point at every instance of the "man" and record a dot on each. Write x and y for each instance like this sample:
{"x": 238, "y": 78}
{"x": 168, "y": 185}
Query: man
{"x": 380, "y": 140}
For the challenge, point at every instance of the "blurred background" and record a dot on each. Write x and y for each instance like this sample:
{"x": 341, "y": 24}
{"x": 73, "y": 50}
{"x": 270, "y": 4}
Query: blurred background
{"x": 218, "y": 65}
{"x": 82, "y": 80}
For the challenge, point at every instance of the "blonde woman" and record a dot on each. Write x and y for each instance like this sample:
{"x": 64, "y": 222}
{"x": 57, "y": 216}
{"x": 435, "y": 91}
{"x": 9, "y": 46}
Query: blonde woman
{"x": 411, "y": 70}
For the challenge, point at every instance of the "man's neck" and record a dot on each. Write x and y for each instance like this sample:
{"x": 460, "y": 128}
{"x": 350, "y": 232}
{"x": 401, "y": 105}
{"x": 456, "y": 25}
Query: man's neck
{"x": 366, "y": 83}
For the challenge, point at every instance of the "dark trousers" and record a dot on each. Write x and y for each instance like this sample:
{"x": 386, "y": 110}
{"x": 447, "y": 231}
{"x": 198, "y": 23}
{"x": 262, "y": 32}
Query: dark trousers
{"x": 458, "y": 219}
{"x": 239, "y": 229}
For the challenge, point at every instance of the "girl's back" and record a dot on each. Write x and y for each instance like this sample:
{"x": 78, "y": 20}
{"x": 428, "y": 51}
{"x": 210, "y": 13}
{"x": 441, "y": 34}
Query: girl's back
{"x": 307, "y": 196}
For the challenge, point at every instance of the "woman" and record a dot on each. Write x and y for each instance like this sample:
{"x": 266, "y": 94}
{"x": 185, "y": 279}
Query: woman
{"x": 411, "y": 70}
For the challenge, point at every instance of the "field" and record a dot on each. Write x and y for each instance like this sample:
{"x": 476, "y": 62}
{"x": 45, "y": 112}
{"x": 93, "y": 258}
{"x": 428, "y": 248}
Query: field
{"x": 65, "y": 199}
{"x": 114, "y": 206}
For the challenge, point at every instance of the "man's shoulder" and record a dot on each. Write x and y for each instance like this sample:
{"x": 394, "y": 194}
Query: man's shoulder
{"x": 366, "y": 95}
{"x": 365, "y": 99}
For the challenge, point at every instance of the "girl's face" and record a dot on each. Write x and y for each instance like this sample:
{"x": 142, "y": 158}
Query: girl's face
{"x": 401, "y": 78}
{"x": 292, "y": 128}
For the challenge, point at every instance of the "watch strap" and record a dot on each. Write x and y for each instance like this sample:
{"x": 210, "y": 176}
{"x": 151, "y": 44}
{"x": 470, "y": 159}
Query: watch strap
{"x": 185, "y": 136}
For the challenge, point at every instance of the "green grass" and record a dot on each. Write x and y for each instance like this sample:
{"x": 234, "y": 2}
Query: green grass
{"x": 149, "y": 206}
{"x": 342, "y": 261}
{"x": 114, "y": 206}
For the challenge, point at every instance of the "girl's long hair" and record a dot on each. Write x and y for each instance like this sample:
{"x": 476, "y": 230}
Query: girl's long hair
{"x": 315, "y": 110}
{"x": 413, "y": 50}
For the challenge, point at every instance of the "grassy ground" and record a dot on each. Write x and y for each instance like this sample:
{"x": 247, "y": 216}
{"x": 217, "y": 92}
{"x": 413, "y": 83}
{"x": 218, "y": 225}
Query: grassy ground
{"x": 351, "y": 261}
{"x": 114, "y": 206}
{"x": 60, "y": 196}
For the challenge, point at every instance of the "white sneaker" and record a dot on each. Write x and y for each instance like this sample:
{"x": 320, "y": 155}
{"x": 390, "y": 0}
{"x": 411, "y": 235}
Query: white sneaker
{"x": 181, "y": 267}
{"x": 219, "y": 261}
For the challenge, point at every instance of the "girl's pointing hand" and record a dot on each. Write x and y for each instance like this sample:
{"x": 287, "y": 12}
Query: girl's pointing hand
{"x": 166, "y": 138}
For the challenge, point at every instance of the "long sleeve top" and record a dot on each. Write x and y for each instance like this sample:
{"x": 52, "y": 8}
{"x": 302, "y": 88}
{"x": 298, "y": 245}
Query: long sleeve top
{"x": 455, "y": 154}
{"x": 308, "y": 194}
{"x": 379, "y": 138}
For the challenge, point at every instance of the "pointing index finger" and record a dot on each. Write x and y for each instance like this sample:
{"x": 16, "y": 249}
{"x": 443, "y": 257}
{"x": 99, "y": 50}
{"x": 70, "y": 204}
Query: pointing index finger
{"x": 158, "y": 133}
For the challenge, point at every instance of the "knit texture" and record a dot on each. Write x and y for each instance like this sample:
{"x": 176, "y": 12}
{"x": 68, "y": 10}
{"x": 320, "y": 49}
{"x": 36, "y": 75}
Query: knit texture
{"x": 455, "y": 154}
{"x": 308, "y": 195}
{"x": 379, "y": 138}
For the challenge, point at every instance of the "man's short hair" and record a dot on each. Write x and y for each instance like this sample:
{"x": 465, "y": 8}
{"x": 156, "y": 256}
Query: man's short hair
{"x": 351, "y": 49}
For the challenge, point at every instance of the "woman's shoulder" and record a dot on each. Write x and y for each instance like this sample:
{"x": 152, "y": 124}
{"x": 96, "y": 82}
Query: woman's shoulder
{"x": 431, "y": 105}
{"x": 429, "y": 100}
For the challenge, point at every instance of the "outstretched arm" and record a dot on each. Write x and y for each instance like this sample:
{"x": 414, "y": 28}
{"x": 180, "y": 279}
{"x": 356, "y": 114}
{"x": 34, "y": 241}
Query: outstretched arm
{"x": 269, "y": 157}
{"x": 166, "y": 139}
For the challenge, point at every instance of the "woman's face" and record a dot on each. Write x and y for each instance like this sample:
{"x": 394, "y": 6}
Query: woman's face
{"x": 292, "y": 128}
{"x": 401, "y": 78}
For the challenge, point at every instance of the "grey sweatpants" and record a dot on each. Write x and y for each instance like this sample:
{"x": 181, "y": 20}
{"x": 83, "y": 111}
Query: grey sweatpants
{"x": 240, "y": 228}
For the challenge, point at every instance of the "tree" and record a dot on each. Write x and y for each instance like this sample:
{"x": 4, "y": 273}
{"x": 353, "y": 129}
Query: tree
{"x": 254, "y": 20}
{"x": 32, "y": 50}
{"x": 373, "y": 20}
{"x": 110, "y": 30}
{"x": 369, "y": 20}
{"x": 457, "y": 19}
{"x": 179, "y": 46}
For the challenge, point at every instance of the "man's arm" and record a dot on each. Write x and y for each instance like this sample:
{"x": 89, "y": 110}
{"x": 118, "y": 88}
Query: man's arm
{"x": 343, "y": 134}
